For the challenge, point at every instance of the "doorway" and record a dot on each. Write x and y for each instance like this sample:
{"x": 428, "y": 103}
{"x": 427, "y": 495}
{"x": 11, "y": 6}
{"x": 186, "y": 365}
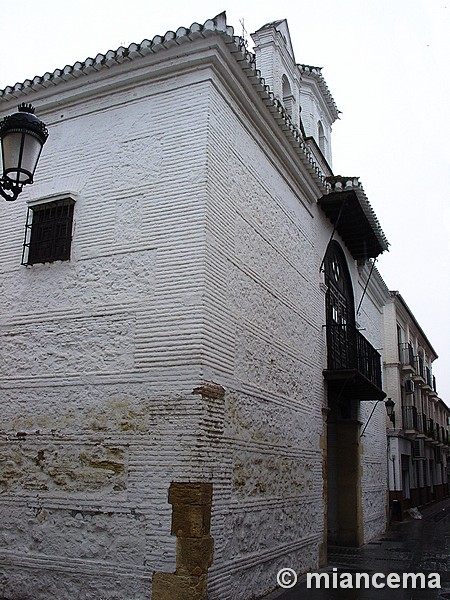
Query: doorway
{"x": 344, "y": 502}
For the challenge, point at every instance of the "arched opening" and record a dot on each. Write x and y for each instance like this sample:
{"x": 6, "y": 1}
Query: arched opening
{"x": 340, "y": 306}
{"x": 288, "y": 98}
{"x": 321, "y": 136}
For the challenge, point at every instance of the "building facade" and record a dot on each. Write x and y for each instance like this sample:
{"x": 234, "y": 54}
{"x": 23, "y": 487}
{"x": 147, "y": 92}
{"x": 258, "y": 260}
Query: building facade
{"x": 418, "y": 442}
{"x": 190, "y": 328}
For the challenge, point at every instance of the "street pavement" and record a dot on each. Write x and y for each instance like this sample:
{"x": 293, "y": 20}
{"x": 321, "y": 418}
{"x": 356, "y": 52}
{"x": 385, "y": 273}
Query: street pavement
{"x": 413, "y": 546}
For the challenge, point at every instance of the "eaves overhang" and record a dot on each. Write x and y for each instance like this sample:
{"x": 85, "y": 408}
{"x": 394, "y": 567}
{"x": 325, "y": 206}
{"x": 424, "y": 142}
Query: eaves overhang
{"x": 347, "y": 207}
{"x": 399, "y": 298}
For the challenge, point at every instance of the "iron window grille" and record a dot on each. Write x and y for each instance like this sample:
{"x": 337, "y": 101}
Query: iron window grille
{"x": 48, "y": 232}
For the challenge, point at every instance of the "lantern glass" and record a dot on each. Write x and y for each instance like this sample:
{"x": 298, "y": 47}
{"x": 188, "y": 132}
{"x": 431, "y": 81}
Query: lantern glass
{"x": 20, "y": 151}
{"x": 390, "y": 404}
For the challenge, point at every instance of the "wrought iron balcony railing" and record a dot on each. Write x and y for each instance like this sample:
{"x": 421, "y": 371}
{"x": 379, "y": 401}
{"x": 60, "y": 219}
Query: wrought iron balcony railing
{"x": 420, "y": 367}
{"x": 428, "y": 377}
{"x": 422, "y": 423}
{"x": 410, "y": 418}
{"x": 406, "y": 355}
{"x": 351, "y": 356}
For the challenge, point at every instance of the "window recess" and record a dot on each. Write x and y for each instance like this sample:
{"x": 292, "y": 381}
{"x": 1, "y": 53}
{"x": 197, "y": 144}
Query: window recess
{"x": 48, "y": 232}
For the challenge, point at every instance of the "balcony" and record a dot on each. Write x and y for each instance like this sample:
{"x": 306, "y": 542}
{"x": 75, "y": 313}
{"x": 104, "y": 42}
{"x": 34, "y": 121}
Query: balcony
{"x": 432, "y": 430}
{"x": 422, "y": 424}
{"x": 419, "y": 367}
{"x": 406, "y": 357}
{"x": 347, "y": 207}
{"x": 428, "y": 385}
{"x": 354, "y": 366}
{"x": 432, "y": 384}
{"x": 410, "y": 419}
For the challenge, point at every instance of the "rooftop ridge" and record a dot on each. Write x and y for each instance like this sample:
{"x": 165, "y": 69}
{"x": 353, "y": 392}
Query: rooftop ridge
{"x": 397, "y": 294}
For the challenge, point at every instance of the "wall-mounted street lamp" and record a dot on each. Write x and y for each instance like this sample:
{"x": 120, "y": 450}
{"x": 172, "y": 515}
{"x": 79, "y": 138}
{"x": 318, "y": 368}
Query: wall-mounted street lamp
{"x": 390, "y": 405}
{"x": 22, "y": 137}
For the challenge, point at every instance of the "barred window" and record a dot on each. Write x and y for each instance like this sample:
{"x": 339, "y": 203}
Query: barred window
{"x": 48, "y": 232}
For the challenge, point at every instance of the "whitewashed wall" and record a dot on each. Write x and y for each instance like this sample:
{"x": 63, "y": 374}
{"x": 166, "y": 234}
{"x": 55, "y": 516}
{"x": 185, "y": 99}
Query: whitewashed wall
{"x": 195, "y": 258}
{"x": 265, "y": 305}
{"x": 264, "y": 310}
{"x": 374, "y": 478}
{"x": 100, "y": 354}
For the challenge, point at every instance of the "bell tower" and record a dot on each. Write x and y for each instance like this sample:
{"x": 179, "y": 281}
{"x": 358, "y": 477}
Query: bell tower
{"x": 300, "y": 88}
{"x": 275, "y": 59}
{"x": 319, "y": 111}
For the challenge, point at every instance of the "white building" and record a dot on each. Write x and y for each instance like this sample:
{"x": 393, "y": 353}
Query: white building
{"x": 418, "y": 442}
{"x": 163, "y": 324}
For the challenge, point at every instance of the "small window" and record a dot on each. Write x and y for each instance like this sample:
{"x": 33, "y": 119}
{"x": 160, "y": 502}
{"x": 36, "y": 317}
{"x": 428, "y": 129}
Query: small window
{"x": 48, "y": 232}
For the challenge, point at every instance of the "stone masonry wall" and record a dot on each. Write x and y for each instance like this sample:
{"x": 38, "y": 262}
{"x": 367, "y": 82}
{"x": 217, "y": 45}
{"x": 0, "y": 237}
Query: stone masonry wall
{"x": 265, "y": 315}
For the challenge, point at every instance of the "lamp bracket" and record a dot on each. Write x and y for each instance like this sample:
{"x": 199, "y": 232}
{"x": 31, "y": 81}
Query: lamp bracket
{"x": 6, "y": 186}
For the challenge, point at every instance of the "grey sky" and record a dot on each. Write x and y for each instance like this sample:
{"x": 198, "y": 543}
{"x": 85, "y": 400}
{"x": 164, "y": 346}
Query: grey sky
{"x": 387, "y": 64}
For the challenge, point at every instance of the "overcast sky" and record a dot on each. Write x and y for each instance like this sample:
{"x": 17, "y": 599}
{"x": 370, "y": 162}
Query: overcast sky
{"x": 387, "y": 64}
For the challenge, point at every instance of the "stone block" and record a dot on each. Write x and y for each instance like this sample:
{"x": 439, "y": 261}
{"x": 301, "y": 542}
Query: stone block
{"x": 190, "y": 493}
{"x": 210, "y": 390}
{"x": 194, "y": 555}
{"x": 191, "y": 521}
{"x": 171, "y": 586}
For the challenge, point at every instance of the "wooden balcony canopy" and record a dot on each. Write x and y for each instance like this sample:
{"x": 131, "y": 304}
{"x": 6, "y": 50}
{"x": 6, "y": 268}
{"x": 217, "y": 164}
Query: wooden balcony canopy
{"x": 348, "y": 208}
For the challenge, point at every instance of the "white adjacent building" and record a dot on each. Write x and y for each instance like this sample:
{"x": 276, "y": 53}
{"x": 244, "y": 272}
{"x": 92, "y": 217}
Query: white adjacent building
{"x": 418, "y": 440}
{"x": 187, "y": 297}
